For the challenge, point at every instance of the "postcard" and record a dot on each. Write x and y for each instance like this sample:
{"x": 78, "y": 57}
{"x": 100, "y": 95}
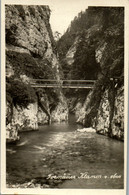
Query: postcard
{"x": 64, "y": 96}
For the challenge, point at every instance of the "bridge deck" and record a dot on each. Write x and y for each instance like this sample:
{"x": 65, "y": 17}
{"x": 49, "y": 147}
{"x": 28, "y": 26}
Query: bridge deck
{"x": 63, "y": 86}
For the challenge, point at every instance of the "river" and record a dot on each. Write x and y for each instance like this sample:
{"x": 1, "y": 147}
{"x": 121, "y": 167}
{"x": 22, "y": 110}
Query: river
{"x": 60, "y": 157}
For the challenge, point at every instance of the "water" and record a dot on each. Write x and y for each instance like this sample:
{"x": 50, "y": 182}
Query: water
{"x": 58, "y": 149}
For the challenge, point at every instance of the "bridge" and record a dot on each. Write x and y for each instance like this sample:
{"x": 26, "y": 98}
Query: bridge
{"x": 45, "y": 83}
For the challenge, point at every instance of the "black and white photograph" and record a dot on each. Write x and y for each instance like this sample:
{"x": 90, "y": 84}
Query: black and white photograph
{"x": 65, "y": 96}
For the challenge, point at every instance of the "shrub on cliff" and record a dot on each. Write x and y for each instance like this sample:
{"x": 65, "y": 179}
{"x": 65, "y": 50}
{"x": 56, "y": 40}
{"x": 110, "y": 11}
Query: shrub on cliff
{"x": 21, "y": 11}
{"x": 10, "y": 35}
{"x": 85, "y": 65}
{"x": 20, "y": 93}
{"x": 32, "y": 11}
{"x": 24, "y": 63}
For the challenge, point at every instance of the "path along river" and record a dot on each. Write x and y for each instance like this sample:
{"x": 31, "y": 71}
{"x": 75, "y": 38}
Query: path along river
{"x": 58, "y": 151}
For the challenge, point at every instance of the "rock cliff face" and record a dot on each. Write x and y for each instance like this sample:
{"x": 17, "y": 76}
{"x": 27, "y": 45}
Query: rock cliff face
{"x": 96, "y": 51}
{"x": 30, "y": 54}
{"x": 110, "y": 120}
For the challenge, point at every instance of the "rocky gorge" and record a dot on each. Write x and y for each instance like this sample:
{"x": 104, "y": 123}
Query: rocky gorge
{"x": 32, "y": 53}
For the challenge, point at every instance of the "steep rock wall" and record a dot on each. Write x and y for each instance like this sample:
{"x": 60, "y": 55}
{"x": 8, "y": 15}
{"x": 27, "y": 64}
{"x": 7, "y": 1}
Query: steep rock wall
{"x": 113, "y": 126}
{"x": 104, "y": 106}
{"x": 30, "y": 54}
{"x": 96, "y": 52}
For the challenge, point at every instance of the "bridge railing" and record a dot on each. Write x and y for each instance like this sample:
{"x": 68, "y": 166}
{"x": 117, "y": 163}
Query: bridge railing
{"x": 62, "y": 83}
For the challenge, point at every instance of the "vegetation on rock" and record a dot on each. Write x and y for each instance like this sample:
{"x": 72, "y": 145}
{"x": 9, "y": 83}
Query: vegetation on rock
{"x": 30, "y": 54}
{"x": 19, "y": 93}
{"x": 94, "y": 42}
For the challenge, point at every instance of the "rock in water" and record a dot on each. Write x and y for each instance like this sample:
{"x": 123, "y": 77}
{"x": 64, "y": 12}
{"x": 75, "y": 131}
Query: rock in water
{"x": 87, "y": 130}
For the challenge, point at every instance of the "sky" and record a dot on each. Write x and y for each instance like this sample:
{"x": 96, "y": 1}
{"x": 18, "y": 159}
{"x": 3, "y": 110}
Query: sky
{"x": 63, "y": 12}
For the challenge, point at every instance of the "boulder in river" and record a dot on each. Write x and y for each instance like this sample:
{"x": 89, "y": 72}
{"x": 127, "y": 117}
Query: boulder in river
{"x": 88, "y": 130}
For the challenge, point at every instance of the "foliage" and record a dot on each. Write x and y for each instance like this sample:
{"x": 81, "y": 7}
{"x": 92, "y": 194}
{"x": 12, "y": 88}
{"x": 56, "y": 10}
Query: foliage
{"x": 52, "y": 95}
{"x": 105, "y": 17}
{"x": 32, "y": 67}
{"x": 21, "y": 11}
{"x": 93, "y": 27}
{"x": 80, "y": 23}
{"x": 19, "y": 93}
{"x": 65, "y": 43}
{"x": 32, "y": 11}
{"x": 85, "y": 65}
{"x": 113, "y": 58}
{"x": 8, "y": 97}
{"x": 10, "y": 34}
{"x": 40, "y": 11}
